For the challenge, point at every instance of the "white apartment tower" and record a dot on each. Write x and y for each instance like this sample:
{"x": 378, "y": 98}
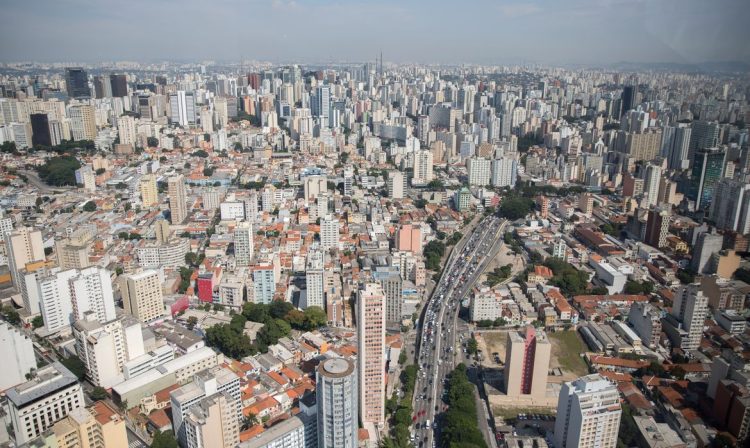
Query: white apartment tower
{"x": 588, "y": 414}
{"x": 243, "y": 243}
{"x": 329, "y": 232}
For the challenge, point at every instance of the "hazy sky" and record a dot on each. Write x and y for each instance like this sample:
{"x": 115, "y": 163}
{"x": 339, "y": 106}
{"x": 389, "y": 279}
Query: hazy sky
{"x": 481, "y": 31}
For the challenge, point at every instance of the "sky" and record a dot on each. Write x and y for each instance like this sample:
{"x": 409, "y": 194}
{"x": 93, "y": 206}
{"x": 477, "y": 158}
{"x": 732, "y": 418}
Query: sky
{"x": 550, "y": 32}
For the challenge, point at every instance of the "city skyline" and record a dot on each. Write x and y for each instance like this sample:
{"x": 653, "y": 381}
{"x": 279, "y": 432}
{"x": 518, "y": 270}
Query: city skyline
{"x": 600, "y": 32}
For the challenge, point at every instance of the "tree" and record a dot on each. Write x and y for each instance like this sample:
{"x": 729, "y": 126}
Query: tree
{"x": 99, "y": 393}
{"x": 90, "y": 206}
{"x": 37, "y": 322}
{"x": 515, "y": 207}
{"x": 152, "y": 142}
{"x": 315, "y": 317}
{"x": 164, "y": 440}
{"x": 687, "y": 277}
{"x": 191, "y": 258}
{"x": 420, "y": 203}
{"x": 472, "y": 346}
{"x": 59, "y": 171}
{"x": 11, "y": 315}
{"x": 75, "y": 365}
{"x": 192, "y": 322}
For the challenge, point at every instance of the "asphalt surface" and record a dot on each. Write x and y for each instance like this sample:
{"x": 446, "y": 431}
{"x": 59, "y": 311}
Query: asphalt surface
{"x": 441, "y": 336}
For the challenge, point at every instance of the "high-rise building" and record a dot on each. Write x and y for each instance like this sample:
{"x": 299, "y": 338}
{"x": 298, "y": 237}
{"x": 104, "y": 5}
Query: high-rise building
{"x": 182, "y": 108}
{"x": 321, "y": 104}
{"x": 730, "y": 209}
{"x": 479, "y": 171}
{"x": 676, "y": 146}
{"x": 264, "y": 283}
{"x": 314, "y": 187}
{"x": 586, "y": 203}
{"x": 707, "y": 171}
{"x": 628, "y": 98}
{"x": 72, "y": 253}
{"x": 422, "y": 167}
{"x": 82, "y": 122}
{"x": 526, "y": 363}
{"x": 329, "y": 232}
{"x": 17, "y": 353}
{"x": 126, "y": 130}
{"x": 243, "y": 243}
{"x": 392, "y": 283}
{"x": 40, "y": 131}
{"x": 396, "y": 183}
{"x": 142, "y": 296}
{"x": 105, "y": 347}
{"x": 177, "y": 198}
{"x": 77, "y": 82}
{"x": 504, "y": 172}
{"x": 703, "y": 135}
{"x": 149, "y": 190}
{"x": 92, "y": 427}
{"x": 37, "y": 404}
{"x": 705, "y": 246}
{"x": 23, "y": 245}
{"x": 102, "y": 87}
{"x": 314, "y": 280}
{"x": 336, "y": 392}
{"x": 588, "y": 414}
{"x": 371, "y": 353}
{"x": 651, "y": 181}
{"x": 646, "y": 321}
{"x": 689, "y": 311}
{"x": 91, "y": 291}
{"x": 55, "y": 299}
{"x": 657, "y": 227}
{"x": 213, "y": 421}
{"x": 119, "y": 84}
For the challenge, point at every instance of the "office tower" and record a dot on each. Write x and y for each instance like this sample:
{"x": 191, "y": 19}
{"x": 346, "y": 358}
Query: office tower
{"x": 105, "y": 347}
{"x": 82, "y": 122}
{"x": 37, "y": 404}
{"x": 371, "y": 353}
{"x": 97, "y": 426}
{"x": 40, "y": 131}
{"x": 643, "y": 145}
{"x": 17, "y": 353}
{"x": 177, "y": 199}
{"x": 77, "y": 82}
{"x": 149, "y": 190}
{"x": 628, "y": 99}
{"x": 526, "y": 363}
{"x": 22, "y": 135}
{"x": 314, "y": 281}
{"x": 657, "y": 227}
{"x": 676, "y": 146}
{"x": 410, "y": 238}
{"x": 102, "y": 87}
{"x": 315, "y": 186}
{"x": 422, "y": 167}
{"x": 504, "y": 172}
{"x": 588, "y": 414}
{"x": 23, "y": 246}
{"x": 57, "y": 132}
{"x": 142, "y": 297}
{"x": 730, "y": 209}
{"x": 213, "y": 421}
{"x": 704, "y": 135}
{"x": 651, "y": 181}
{"x": 705, "y": 246}
{"x": 479, "y": 171}
{"x": 646, "y": 322}
{"x": 321, "y": 104}
{"x": 392, "y": 283}
{"x": 126, "y": 130}
{"x": 707, "y": 171}
{"x": 336, "y": 394}
{"x": 182, "y": 108}
{"x": 206, "y": 384}
{"x": 690, "y": 309}
{"x": 91, "y": 292}
{"x": 119, "y": 84}
{"x": 264, "y": 283}
{"x": 243, "y": 243}
{"x": 329, "y": 232}
{"x": 396, "y": 182}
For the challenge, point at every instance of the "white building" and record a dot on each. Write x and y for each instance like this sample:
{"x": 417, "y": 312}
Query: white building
{"x": 36, "y": 405}
{"x": 182, "y": 108}
{"x": 314, "y": 284}
{"x": 243, "y": 243}
{"x": 17, "y": 353}
{"x": 588, "y": 414}
{"x": 422, "y": 167}
{"x": 479, "y": 171}
{"x": 504, "y": 172}
{"x": 91, "y": 291}
{"x": 126, "y": 130}
{"x": 329, "y": 232}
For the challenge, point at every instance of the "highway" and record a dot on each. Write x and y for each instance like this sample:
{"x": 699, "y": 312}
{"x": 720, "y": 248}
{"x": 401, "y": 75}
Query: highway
{"x": 439, "y": 340}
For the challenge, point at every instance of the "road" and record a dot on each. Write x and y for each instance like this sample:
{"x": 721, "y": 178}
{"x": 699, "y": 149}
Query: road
{"x": 439, "y": 348}
{"x": 43, "y": 188}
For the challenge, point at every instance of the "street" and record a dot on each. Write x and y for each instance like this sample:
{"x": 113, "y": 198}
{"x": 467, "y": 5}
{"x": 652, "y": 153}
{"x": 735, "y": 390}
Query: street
{"x": 439, "y": 346}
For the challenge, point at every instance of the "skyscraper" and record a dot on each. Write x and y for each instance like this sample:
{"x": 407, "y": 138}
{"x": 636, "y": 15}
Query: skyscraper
{"x": 371, "y": 353}
{"x": 182, "y": 107}
{"x": 82, "y": 122}
{"x": 704, "y": 135}
{"x": 651, "y": 181}
{"x": 588, "y": 414}
{"x": 705, "y": 246}
{"x": 708, "y": 169}
{"x": 91, "y": 292}
{"x": 730, "y": 209}
{"x": 392, "y": 283}
{"x": 23, "y": 246}
{"x": 690, "y": 309}
{"x": 17, "y": 353}
{"x": 149, "y": 190}
{"x": 243, "y": 243}
{"x": 314, "y": 284}
{"x": 177, "y": 198}
{"x": 422, "y": 167}
{"x": 119, "y": 85}
{"x": 77, "y": 82}
{"x": 321, "y": 104}
{"x": 40, "y": 132}
{"x": 142, "y": 296}
{"x": 102, "y": 87}
{"x": 395, "y": 185}
{"x": 526, "y": 363}
{"x": 336, "y": 394}
{"x": 628, "y": 98}
{"x": 126, "y": 130}
{"x": 676, "y": 146}
{"x": 657, "y": 227}
{"x": 329, "y": 232}
{"x": 479, "y": 171}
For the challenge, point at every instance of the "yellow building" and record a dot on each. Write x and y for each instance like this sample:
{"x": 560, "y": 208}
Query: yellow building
{"x": 98, "y": 426}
